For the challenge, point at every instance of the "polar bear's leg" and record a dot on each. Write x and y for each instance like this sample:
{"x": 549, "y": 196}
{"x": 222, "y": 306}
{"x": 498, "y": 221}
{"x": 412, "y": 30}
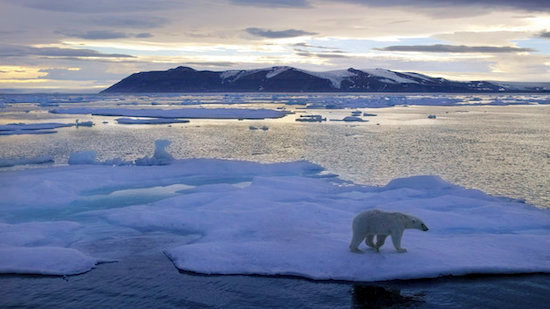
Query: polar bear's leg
{"x": 370, "y": 241}
{"x": 396, "y": 239}
{"x": 355, "y": 242}
{"x": 380, "y": 239}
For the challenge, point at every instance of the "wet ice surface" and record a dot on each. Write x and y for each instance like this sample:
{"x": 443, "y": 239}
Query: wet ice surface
{"x": 250, "y": 218}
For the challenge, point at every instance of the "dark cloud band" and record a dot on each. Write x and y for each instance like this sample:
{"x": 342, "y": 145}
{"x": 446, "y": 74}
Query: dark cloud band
{"x": 271, "y": 34}
{"x": 19, "y": 51}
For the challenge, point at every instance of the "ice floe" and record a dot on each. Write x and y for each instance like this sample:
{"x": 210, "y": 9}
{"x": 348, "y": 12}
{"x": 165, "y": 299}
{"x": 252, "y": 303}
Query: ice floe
{"x": 25, "y": 161}
{"x": 39, "y": 128}
{"x": 150, "y": 121}
{"x": 210, "y": 113}
{"x": 44, "y": 261}
{"x": 33, "y": 126}
{"x": 234, "y": 217}
{"x": 311, "y": 118}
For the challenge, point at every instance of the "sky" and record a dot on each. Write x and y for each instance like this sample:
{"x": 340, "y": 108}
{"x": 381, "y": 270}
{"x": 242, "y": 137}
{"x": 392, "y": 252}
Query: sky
{"x": 76, "y": 44}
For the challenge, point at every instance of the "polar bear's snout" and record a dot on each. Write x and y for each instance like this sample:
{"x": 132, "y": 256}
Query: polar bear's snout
{"x": 424, "y": 227}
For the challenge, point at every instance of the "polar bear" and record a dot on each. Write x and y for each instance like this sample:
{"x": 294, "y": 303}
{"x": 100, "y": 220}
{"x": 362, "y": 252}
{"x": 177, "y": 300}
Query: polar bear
{"x": 370, "y": 223}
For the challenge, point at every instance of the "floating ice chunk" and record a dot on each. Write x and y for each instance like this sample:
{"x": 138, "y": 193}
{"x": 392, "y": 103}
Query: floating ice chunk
{"x": 47, "y": 104}
{"x": 24, "y": 161}
{"x": 33, "y": 126}
{"x": 296, "y": 102}
{"x": 351, "y": 119}
{"x": 84, "y": 123}
{"x": 34, "y": 132}
{"x": 83, "y": 157}
{"x": 150, "y": 121}
{"x": 253, "y": 128}
{"x": 311, "y": 118}
{"x": 204, "y": 113}
{"x": 44, "y": 261}
{"x": 160, "y": 157}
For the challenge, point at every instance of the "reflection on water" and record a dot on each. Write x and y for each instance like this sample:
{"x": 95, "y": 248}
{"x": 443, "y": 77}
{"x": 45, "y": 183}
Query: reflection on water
{"x": 151, "y": 281}
{"x": 372, "y": 296}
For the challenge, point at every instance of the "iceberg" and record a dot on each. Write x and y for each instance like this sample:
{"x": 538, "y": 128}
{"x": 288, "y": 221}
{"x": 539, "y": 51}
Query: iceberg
{"x": 213, "y": 216}
{"x": 160, "y": 157}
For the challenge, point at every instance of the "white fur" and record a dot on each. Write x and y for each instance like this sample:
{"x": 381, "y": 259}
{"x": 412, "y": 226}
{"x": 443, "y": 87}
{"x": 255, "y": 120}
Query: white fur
{"x": 371, "y": 223}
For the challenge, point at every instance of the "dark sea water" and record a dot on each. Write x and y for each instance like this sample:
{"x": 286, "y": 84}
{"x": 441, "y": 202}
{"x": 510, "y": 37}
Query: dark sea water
{"x": 501, "y": 150}
{"x": 152, "y": 281}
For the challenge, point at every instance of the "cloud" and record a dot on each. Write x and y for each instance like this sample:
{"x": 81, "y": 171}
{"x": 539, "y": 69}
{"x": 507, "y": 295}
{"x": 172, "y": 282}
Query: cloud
{"x": 107, "y": 35}
{"x": 492, "y": 38}
{"x": 99, "y": 35}
{"x": 20, "y": 51}
{"x": 143, "y": 35}
{"x": 528, "y": 5}
{"x": 266, "y": 33}
{"x": 133, "y": 22}
{"x": 305, "y": 45}
{"x": 544, "y": 35}
{"x": 212, "y": 63}
{"x": 320, "y": 55}
{"x": 443, "y": 48}
{"x": 98, "y": 6}
{"x": 274, "y": 3}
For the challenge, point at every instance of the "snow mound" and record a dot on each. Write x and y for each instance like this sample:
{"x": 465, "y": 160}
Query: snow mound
{"x": 235, "y": 217}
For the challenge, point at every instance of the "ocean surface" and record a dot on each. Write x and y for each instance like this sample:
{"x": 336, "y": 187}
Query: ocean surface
{"x": 497, "y": 148}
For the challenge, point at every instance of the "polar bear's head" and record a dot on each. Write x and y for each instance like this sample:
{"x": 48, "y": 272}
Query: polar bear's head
{"x": 414, "y": 223}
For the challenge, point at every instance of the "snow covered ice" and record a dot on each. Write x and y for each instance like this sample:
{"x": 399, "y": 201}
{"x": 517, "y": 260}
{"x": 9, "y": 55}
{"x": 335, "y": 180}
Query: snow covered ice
{"x": 210, "y": 113}
{"x": 149, "y": 121}
{"x": 238, "y": 217}
{"x": 32, "y": 128}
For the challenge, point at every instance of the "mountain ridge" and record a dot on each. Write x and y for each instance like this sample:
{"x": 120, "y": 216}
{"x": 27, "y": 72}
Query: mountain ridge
{"x": 290, "y": 79}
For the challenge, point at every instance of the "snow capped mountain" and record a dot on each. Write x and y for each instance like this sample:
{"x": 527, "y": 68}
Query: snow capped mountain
{"x": 289, "y": 79}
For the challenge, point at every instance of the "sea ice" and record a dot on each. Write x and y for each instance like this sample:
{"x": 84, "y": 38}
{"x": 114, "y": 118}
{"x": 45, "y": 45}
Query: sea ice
{"x": 39, "y": 128}
{"x": 353, "y": 119}
{"x": 150, "y": 121}
{"x": 44, "y": 261}
{"x": 205, "y": 113}
{"x": 33, "y": 126}
{"x": 160, "y": 157}
{"x": 252, "y": 218}
{"x": 25, "y": 161}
